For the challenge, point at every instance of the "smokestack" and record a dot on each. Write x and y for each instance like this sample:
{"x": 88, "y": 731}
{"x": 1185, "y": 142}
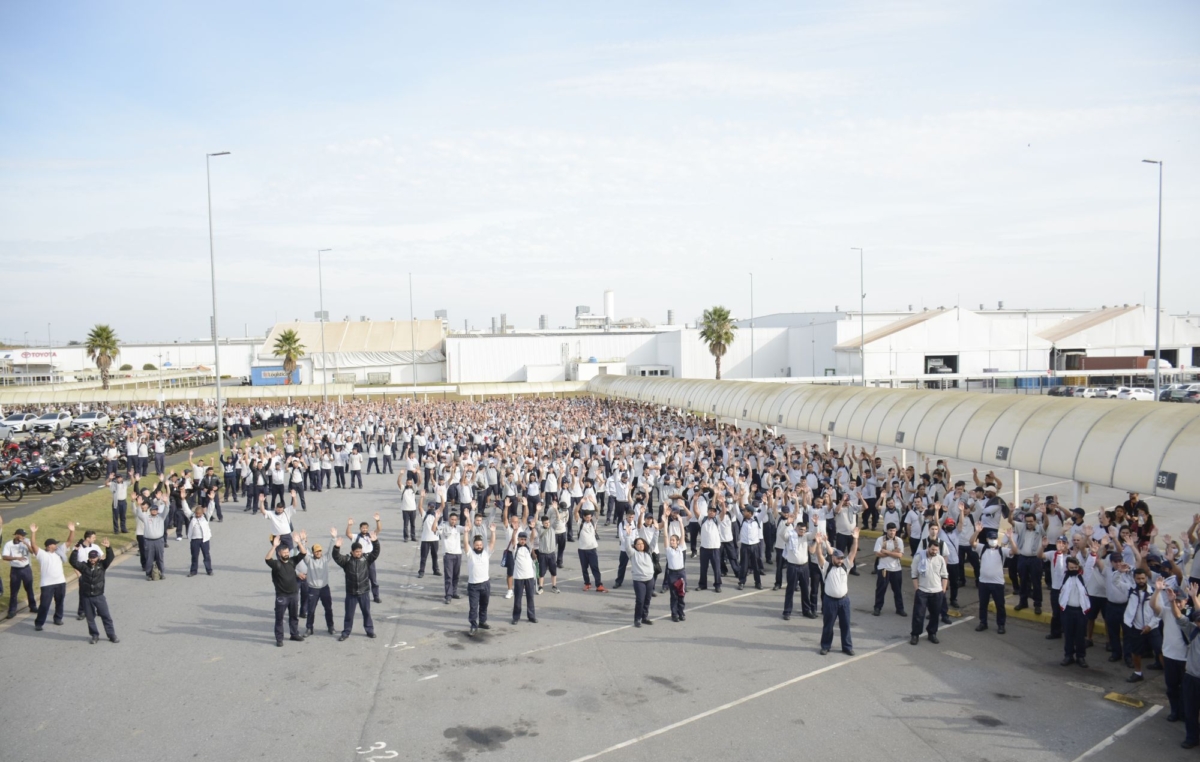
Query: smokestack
{"x": 610, "y": 306}
{"x": 670, "y": 317}
{"x": 503, "y": 323}
{"x": 543, "y": 323}
{"x": 493, "y": 325}
{"x": 999, "y": 305}
{"x": 465, "y": 329}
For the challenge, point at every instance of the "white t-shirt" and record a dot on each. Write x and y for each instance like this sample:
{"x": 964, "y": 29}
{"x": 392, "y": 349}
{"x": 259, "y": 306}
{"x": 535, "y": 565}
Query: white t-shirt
{"x": 428, "y": 534}
{"x": 523, "y": 566}
{"x": 888, "y": 563}
{"x": 477, "y": 566}
{"x": 451, "y": 538}
{"x": 19, "y": 551}
{"x": 51, "y": 565}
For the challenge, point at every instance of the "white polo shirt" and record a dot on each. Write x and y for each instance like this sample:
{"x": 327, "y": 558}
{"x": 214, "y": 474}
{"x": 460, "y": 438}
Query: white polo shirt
{"x": 52, "y": 565}
{"x": 477, "y": 566}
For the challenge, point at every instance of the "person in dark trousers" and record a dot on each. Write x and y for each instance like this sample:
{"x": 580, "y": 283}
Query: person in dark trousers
{"x": 429, "y": 539}
{"x": 54, "y": 583}
{"x": 287, "y": 586}
{"x": 363, "y": 538}
{"x": 889, "y": 550}
{"x": 358, "y": 581}
{"x": 479, "y": 587}
{"x": 91, "y": 589}
{"x": 835, "y": 598}
{"x": 20, "y": 574}
{"x": 1073, "y": 601}
{"x": 315, "y": 569}
{"x": 1187, "y": 620}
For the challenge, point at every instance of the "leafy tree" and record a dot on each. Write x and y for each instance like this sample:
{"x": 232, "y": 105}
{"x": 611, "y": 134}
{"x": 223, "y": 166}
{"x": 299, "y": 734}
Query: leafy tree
{"x": 103, "y": 347}
{"x": 288, "y": 347}
{"x": 717, "y": 331}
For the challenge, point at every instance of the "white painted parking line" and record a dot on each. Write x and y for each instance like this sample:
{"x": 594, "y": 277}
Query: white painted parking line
{"x": 428, "y": 677}
{"x": 760, "y": 694}
{"x": 630, "y": 626}
{"x": 1128, "y": 727}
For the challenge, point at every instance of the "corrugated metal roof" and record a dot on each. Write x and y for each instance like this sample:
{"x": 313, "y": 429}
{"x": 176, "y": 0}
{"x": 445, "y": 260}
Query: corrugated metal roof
{"x": 899, "y": 325}
{"x": 1067, "y": 328}
{"x": 362, "y": 336}
{"x": 1148, "y": 447}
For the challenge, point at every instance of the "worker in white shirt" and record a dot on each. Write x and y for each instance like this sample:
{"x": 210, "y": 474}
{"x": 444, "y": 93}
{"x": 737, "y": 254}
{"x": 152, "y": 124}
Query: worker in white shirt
{"x": 479, "y": 586}
{"x": 451, "y": 541}
{"x": 1141, "y": 624}
{"x": 588, "y": 547}
{"x": 524, "y": 576}
{"x": 1174, "y": 644}
{"x": 676, "y": 575}
{"x": 626, "y": 531}
{"x": 1057, "y": 560}
{"x": 889, "y": 549}
{"x": 408, "y": 505}
{"x": 120, "y": 501}
{"x": 642, "y": 570}
{"x": 429, "y": 539}
{"x": 199, "y": 534}
{"x": 835, "y": 599}
{"x": 1073, "y": 599}
{"x": 930, "y": 578}
{"x": 750, "y": 538}
{"x": 280, "y": 519}
{"x": 993, "y": 554}
{"x": 796, "y": 558}
{"x": 710, "y": 547}
{"x": 20, "y": 575}
{"x": 547, "y": 554}
{"x": 54, "y": 583}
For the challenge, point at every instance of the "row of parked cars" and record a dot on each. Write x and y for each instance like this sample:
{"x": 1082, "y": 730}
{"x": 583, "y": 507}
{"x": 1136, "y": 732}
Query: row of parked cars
{"x": 54, "y": 422}
{"x": 1170, "y": 393}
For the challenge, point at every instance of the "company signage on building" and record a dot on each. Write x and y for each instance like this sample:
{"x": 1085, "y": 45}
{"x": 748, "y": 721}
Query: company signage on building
{"x": 272, "y": 376}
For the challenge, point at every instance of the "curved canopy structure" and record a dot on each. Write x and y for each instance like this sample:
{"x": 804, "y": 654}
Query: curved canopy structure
{"x": 1150, "y": 448}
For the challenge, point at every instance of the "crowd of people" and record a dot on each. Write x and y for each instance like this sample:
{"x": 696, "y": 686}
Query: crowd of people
{"x": 518, "y": 481}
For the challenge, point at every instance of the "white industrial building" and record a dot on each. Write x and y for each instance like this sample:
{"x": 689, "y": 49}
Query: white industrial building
{"x": 901, "y": 344}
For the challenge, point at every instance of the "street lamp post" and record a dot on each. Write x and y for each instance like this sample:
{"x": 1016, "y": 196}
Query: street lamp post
{"x": 1158, "y": 289}
{"x": 212, "y": 263}
{"x": 50, "y": 353}
{"x": 862, "y": 319}
{"x": 322, "y": 316}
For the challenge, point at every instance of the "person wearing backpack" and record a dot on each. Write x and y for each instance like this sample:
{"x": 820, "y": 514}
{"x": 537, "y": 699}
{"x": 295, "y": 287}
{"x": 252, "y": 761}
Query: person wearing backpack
{"x": 993, "y": 555}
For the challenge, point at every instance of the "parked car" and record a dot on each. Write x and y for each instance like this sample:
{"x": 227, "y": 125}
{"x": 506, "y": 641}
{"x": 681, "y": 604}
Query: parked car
{"x": 1179, "y": 392}
{"x": 19, "y": 421}
{"x": 6, "y": 432}
{"x": 1137, "y": 394}
{"x": 1090, "y": 392}
{"x": 91, "y": 420}
{"x": 1055, "y": 391}
{"x": 52, "y": 421}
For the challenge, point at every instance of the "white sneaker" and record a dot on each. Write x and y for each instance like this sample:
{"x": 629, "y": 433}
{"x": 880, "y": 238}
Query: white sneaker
{"x": 508, "y": 594}
{"x": 178, "y": 539}
{"x": 539, "y": 592}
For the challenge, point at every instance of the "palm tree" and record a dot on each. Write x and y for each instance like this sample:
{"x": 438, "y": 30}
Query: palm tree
{"x": 288, "y": 347}
{"x": 716, "y": 329}
{"x": 103, "y": 347}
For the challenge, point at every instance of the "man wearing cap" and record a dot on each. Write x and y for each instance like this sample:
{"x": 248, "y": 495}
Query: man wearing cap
{"x": 835, "y": 599}
{"x": 155, "y": 537}
{"x": 54, "y": 583}
{"x": 91, "y": 590}
{"x": 889, "y": 549}
{"x": 287, "y": 586}
{"x": 358, "y": 582}
{"x": 710, "y": 548}
{"x": 1117, "y": 583}
{"x": 1057, "y": 559}
{"x": 750, "y": 538}
{"x": 315, "y": 571}
{"x": 524, "y": 576}
{"x": 930, "y": 577}
{"x": 363, "y": 538}
{"x": 1141, "y": 623}
{"x": 20, "y": 575}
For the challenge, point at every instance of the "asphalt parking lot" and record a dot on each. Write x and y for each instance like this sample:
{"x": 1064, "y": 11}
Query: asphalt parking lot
{"x": 197, "y": 674}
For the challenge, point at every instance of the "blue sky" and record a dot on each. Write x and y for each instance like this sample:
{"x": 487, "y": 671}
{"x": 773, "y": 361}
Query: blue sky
{"x": 523, "y": 157}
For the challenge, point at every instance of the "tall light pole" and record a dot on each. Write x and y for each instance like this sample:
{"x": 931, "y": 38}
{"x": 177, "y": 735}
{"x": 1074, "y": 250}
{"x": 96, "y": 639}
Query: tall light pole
{"x": 862, "y": 318}
{"x": 50, "y": 359}
{"x": 322, "y": 316}
{"x": 1158, "y": 288}
{"x": 751, "y": 325}
{"x": 212, "y": 263}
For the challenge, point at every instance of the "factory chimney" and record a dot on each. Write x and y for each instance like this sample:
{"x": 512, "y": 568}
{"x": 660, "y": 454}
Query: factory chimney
{"x": 670, "y": 317}
{"x": 610, "y": 306}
